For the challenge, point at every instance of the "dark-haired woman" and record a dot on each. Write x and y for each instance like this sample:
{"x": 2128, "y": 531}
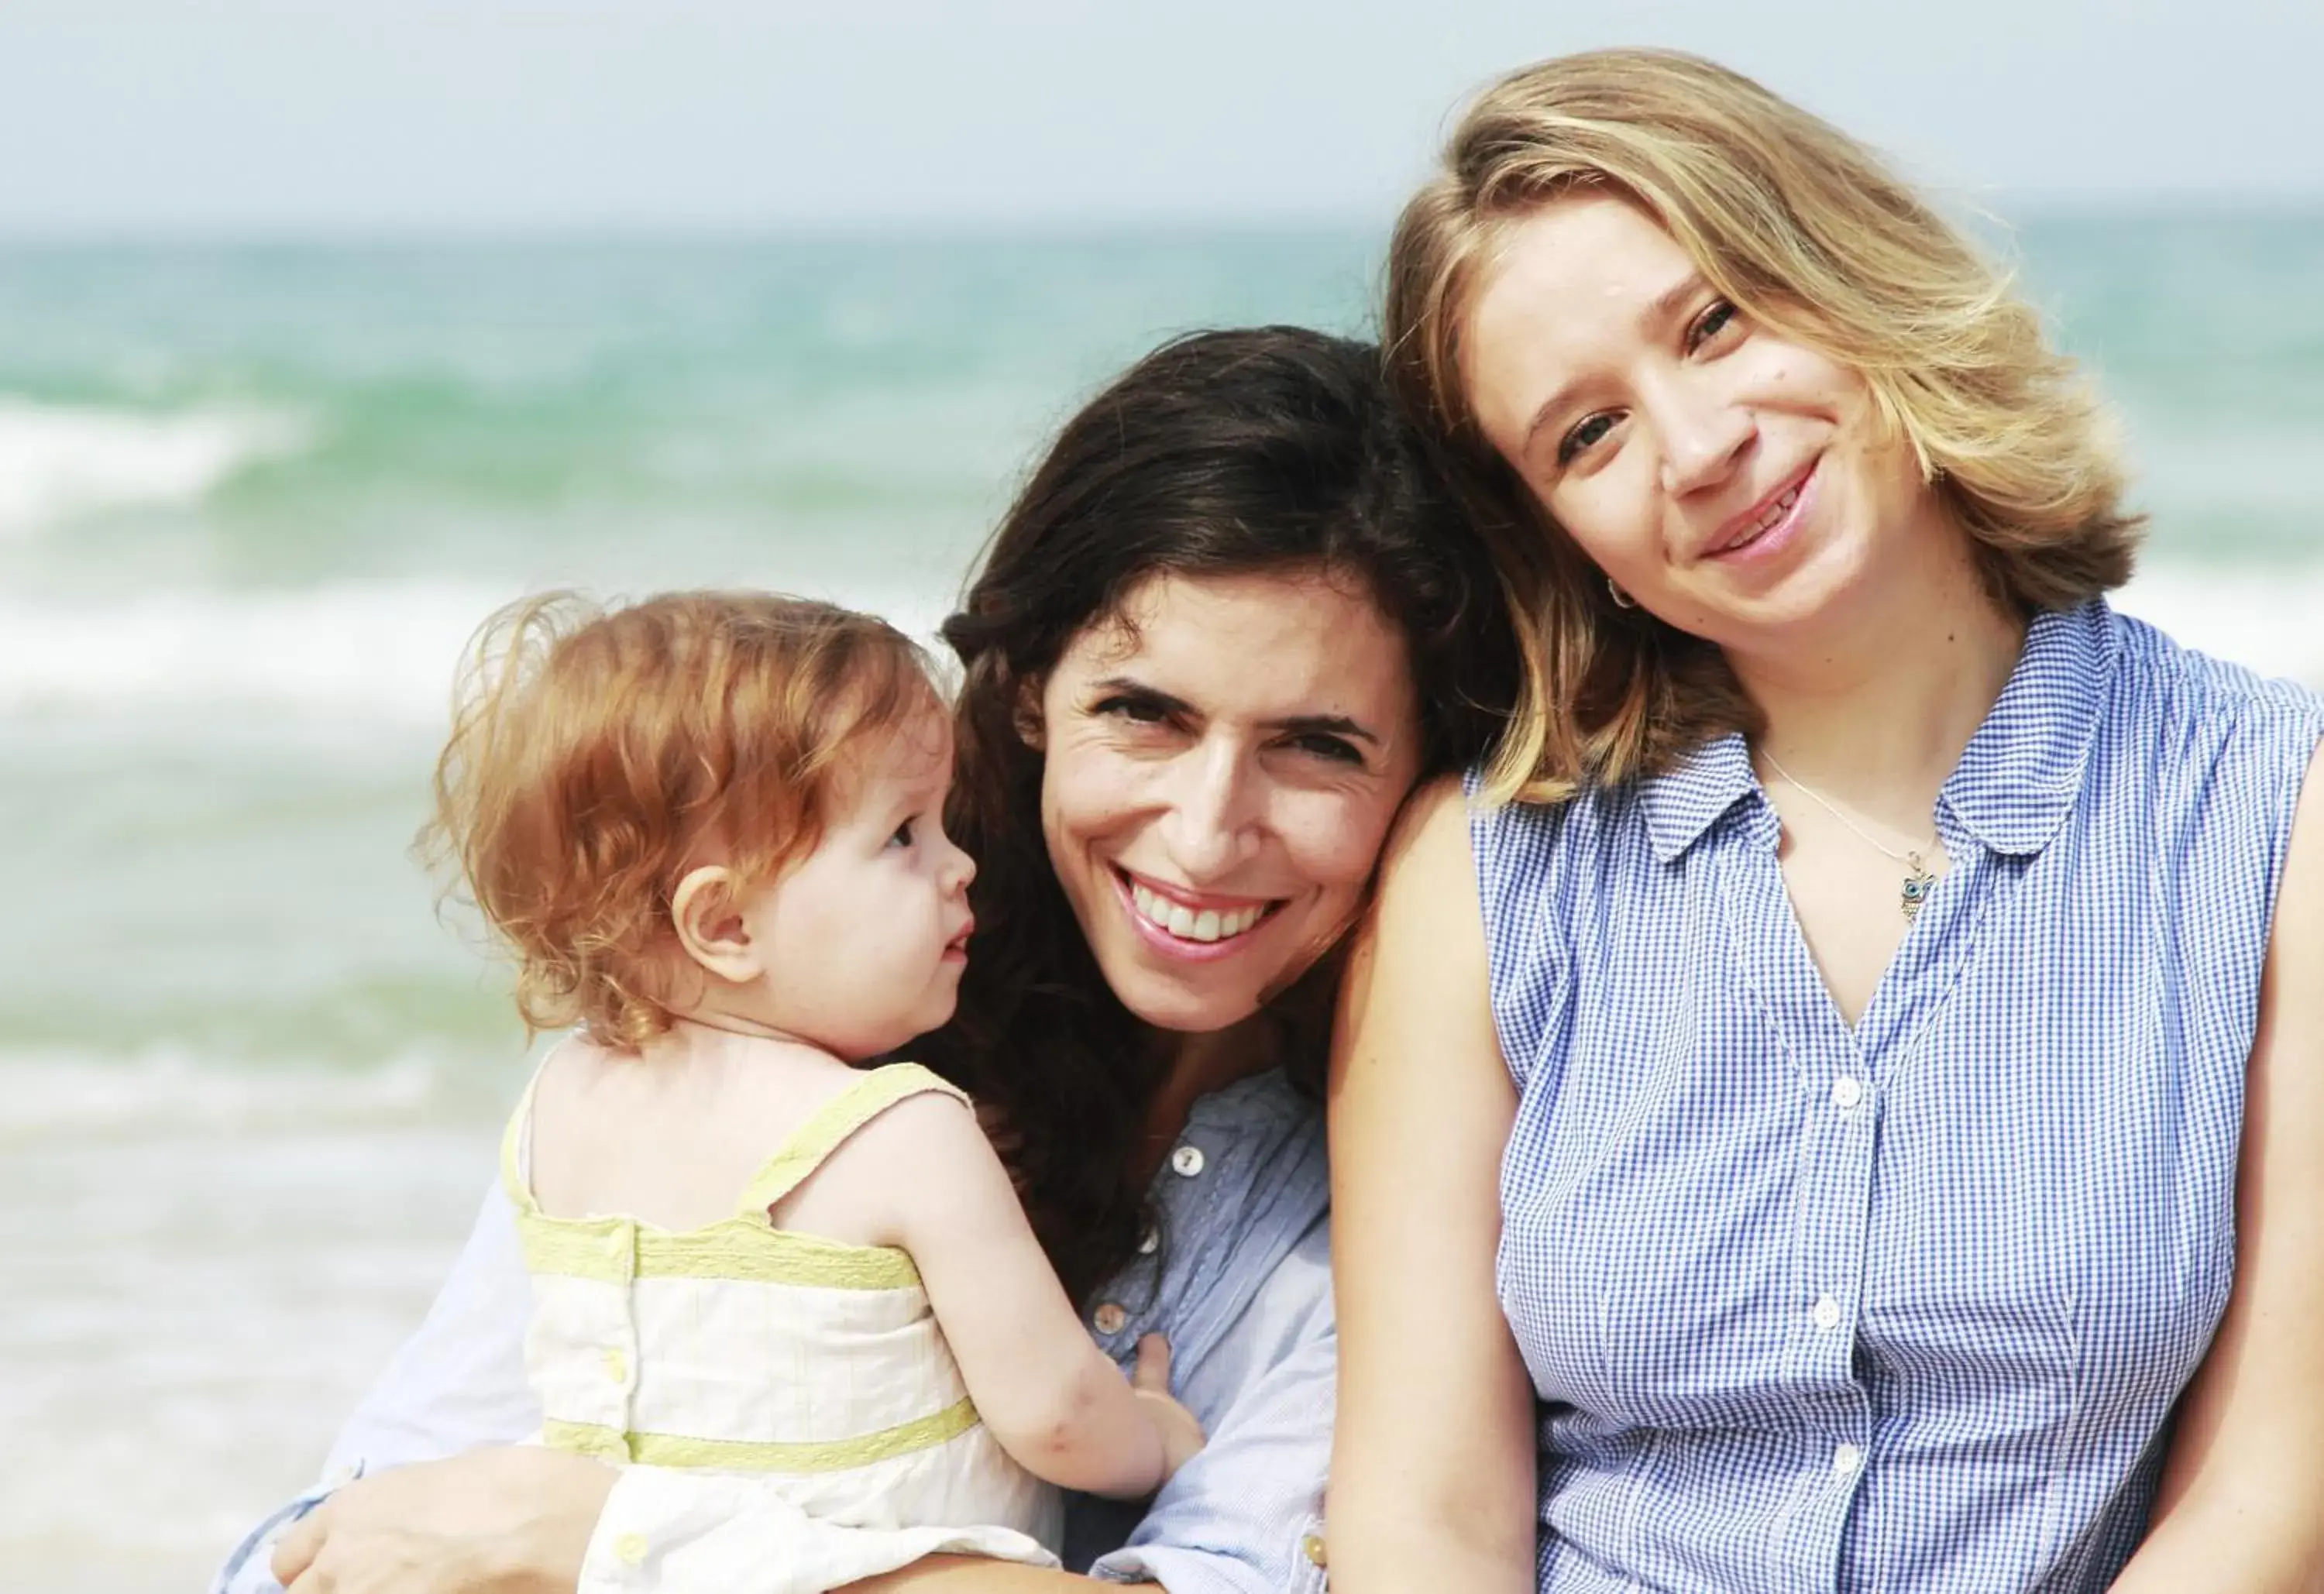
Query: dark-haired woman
{"x": 1226, "y": 627}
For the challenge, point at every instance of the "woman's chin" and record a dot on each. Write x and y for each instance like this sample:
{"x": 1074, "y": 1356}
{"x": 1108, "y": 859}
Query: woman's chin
{"x": 1188, "y": 1002}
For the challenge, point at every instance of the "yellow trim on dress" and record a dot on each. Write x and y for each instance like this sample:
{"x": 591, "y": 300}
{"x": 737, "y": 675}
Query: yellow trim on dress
{"x": 618, "y": 1250}
{"x": 746, "y": 1247}
{"x": 832, "y": 1455}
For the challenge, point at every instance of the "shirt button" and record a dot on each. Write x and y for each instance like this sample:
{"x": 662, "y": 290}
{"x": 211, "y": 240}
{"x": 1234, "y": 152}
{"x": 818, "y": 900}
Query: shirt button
{"x": 630, "y": 1549}
{"x": 1827, "y": 1313}
{"x": 1845, "y": 1460}
{"x": 1847, "y": 1092}
{"x": 1188, "y": 1160}
{"x": 1311, "y": 1547}
{"x": 1110, "y": 1318}
{"x": 617, "y": 1366}
{"x": 1150, "y": 1242}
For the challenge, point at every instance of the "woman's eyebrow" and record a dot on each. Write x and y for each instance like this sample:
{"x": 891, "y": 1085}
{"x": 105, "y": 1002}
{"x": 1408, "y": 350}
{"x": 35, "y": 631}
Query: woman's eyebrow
{"x": 1129, "y": 686}
{"x": 1323, "y": 725}
{"x": 1665, "y": 307}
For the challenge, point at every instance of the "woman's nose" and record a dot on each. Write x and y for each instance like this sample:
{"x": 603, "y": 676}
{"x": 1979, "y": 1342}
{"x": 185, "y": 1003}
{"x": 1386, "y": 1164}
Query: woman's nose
{"x": 1704, "y": 433}
{"x": 1211, "y": 822}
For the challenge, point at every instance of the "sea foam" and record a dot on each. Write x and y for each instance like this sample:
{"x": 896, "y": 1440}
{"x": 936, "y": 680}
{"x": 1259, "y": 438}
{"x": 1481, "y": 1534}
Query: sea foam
{"x": 59, "y": 462}
{"x": 371, "y": 653}
{"x": 172, "y": 1090}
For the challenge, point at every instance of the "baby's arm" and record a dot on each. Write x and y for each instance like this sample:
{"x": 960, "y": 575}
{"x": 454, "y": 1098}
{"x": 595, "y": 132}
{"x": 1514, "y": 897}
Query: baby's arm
{"x": 1054, "y": 1400}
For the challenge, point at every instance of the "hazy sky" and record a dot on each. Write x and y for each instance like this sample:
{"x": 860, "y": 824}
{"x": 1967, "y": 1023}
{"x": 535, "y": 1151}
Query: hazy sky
{"x": 330, "y": 115}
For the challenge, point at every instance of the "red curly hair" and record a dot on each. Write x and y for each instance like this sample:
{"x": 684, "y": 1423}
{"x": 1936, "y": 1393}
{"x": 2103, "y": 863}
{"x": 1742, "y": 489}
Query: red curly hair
{"x": 596, "y": 754}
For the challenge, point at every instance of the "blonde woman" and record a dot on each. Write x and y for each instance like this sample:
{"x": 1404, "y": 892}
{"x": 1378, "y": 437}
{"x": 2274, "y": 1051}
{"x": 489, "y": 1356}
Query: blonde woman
{"x": 1856, "y": 1059}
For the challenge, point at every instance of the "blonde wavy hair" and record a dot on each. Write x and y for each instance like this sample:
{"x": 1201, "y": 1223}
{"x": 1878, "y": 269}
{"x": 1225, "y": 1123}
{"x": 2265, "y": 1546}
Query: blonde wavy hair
{"x": 596, "y": 752}
{"x": 1809, "y": 234}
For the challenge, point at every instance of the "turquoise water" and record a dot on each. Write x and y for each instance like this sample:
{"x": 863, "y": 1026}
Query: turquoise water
{"x": 252, "y": 500}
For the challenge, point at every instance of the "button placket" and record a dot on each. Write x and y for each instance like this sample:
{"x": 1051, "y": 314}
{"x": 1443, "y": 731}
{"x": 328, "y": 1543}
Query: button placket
{"x": 1840, "y": 1128}
{"x": 619, "y": 1358}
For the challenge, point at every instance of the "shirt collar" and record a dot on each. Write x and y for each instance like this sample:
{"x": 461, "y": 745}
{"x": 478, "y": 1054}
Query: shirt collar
{"x": 1681, "y": 804}
{"x": 2017, "y": 781}
{"x": 2022, "y": 773}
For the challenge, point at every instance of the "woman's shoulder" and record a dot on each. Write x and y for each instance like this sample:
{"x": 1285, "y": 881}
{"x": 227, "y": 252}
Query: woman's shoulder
{"x": 2155, "y": 669}
{"x": 2204, "y": 726}
{"x": 1532, "y": 867}
{"x": 2197, "y": 759}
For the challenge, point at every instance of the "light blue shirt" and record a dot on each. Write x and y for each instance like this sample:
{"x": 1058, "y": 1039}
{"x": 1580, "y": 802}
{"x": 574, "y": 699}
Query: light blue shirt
{"x": 1901, "y": 1306}
{"x": 1238, "y": 1281}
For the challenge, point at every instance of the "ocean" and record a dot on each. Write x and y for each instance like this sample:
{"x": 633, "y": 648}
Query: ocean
{"x": 252, "y": 500}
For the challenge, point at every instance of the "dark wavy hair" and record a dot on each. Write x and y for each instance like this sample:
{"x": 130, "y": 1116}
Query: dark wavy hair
{"x": 1222, "y": 453}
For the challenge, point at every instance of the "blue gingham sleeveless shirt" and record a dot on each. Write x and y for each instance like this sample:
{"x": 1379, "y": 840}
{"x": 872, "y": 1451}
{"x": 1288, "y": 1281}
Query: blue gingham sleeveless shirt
{"x": 1901, "y": 1308}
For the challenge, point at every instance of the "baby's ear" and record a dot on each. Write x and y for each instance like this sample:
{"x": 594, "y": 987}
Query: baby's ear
{"x": 707, "y": 909}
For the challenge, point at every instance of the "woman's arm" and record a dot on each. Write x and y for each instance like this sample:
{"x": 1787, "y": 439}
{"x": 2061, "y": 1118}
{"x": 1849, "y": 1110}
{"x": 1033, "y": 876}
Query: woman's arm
{"x": 2242, "y": 1504}
{"x": 1433, "y": 1468}
{"x": 968, "y": 1574}
{"x": 457, "y": 1383}
{"x": 525, "y": 1520}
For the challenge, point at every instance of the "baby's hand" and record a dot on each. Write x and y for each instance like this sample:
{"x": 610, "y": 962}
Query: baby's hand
{"x": 1182, "y": 1435}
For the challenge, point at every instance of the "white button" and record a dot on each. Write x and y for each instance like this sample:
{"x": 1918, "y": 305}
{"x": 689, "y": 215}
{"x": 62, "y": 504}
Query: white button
{"x": 1827, "y": 1313}
{"x": 1109, "y": 1317}
{"x": 1188, "y": 1160}
{"x": 1846, "y": 1093}
{"x": 1149, "y": 1243}
{"x": 1845, "y": 1460}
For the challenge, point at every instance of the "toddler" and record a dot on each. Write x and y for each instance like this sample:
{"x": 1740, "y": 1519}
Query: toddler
{"x": 708, "y": 827}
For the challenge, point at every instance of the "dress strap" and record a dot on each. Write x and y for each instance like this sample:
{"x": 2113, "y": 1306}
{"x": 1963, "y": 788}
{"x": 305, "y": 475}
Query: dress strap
{"x": 516, "y": 1148}
{"x": 833, "y": 1123}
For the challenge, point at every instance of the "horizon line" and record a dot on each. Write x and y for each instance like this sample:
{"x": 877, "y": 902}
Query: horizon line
{"x": 2033, "y": 207}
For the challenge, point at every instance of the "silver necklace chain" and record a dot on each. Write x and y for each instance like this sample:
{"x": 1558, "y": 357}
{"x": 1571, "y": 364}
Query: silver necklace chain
{"x": 1911, "y": 856}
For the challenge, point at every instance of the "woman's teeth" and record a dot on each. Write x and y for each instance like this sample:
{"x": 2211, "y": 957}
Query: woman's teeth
{"x": 1189, "y": 924}
{"x": 1767, "y": 522}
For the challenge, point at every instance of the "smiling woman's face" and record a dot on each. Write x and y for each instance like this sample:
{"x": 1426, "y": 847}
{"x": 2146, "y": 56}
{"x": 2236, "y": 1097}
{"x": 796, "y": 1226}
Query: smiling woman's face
{"x": 1221, "y": 765}
{"x": 1736, "y": 483}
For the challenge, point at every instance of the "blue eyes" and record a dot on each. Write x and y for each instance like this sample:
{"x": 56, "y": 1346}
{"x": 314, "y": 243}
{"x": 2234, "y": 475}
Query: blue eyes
{"x": 1711, "y": 324}
{"x": 1582, "y": 437}
{"x": 903, "y": 836}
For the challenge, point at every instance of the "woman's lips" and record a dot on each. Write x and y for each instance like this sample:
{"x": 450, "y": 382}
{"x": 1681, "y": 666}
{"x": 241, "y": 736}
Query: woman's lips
{"x": 1772, "y": 523}
{"x": 1199, "y": 930}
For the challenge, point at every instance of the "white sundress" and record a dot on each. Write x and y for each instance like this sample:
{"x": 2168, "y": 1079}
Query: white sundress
{"x": 812, "y": 1366}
